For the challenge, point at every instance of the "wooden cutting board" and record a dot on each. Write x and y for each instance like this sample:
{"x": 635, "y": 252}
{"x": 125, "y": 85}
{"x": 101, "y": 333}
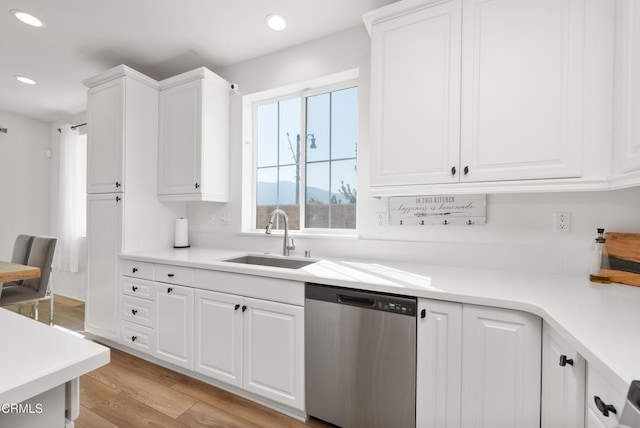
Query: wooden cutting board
{"x": 624, "y": 257}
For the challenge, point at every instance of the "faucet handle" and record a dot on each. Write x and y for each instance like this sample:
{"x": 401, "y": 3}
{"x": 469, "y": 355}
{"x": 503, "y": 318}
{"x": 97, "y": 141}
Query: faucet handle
{"x": 290, "y": 244}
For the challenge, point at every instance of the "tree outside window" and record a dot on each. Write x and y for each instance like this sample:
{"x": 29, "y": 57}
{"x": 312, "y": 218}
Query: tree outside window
{"x": 306, "y": 151}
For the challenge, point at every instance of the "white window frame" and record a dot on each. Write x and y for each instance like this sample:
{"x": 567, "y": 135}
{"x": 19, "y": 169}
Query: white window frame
{"x": 251, "y": 103}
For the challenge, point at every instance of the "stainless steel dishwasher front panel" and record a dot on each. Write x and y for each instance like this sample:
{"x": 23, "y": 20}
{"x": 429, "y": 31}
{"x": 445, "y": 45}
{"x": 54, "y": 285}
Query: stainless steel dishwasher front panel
{"x": 361, "y": 361}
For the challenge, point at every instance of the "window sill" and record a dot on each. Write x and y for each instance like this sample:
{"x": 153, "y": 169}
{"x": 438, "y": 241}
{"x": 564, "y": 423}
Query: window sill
{"x": 303, "y": 235}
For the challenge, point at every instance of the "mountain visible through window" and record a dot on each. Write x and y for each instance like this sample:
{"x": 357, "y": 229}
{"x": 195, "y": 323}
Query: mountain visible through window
{"x": 306, "y": 160}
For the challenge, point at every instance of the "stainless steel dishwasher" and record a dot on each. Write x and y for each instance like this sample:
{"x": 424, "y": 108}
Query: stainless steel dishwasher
{"x": 360, "y": 357}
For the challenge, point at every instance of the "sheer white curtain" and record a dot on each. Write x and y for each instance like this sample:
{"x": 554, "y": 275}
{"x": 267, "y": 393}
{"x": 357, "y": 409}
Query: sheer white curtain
{"x": 70, "y": 199}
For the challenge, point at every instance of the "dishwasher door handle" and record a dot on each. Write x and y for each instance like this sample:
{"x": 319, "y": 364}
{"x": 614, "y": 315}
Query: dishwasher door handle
{"x": 357, "y": 301}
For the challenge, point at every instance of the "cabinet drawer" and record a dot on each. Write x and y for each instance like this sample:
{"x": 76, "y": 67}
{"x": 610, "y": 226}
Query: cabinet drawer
{"x": 138, "y": 311}
{"x": 599, "y": 386}
{"x": 175, "y": 275}
{"x": 137, "y": 337}
{"x": 137, "y": 269}
{"x": 137, "y": 287}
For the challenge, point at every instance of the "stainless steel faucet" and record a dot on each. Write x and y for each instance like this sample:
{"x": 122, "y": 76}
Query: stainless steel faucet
{"x": 288, "y": 242}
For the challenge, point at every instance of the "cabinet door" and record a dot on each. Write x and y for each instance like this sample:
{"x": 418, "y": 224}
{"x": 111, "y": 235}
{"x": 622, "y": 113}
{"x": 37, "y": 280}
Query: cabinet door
{"x": 415, "y": 97}
{"x": 563, "y": 386}
{"x": 522, "y": 86}
{"x": 174, "y": 324}
{"x": 180, "y": 137}
{"x": 627, "y": 84}
{"x": 105, "y": 161}
{"x": 439, "y": 364}
{"x": 218, "y": 336}
{"x": 274, "y": 351}
{"x": 500, "y": 368}
{"x": 104, "y": 243}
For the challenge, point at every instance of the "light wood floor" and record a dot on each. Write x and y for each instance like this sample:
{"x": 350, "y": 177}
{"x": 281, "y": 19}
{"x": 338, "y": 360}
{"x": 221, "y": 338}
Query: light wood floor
{"x": 131, "y": 392}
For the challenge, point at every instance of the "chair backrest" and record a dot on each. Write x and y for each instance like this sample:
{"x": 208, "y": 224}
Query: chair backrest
{"x": 41, "y": 255}
{"x": 21, "y": 249}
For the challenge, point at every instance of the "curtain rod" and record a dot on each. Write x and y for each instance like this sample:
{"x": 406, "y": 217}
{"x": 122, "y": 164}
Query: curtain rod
{"x": 74, "y": 126}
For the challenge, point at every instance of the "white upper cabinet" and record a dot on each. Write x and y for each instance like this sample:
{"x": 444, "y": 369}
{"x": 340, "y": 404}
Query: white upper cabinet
{"x": 194, "y": 138}
{"x": 489, "y": 96}
{"x": 522, "y": 63}
{"x": 626, "y": 159}
{"x": 106, "y": 111}
{"x": 415, "y": 97}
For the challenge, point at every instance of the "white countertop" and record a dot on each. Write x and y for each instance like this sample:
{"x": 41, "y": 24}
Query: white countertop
{"x": 601, "y": 321}
{"x": 35, "y": 357}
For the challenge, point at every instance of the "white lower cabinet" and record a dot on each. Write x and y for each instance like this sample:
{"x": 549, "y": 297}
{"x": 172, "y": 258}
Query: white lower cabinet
{"x": 439, "y": 364}
{"x": 478, "y": 367}
{"x": 563, "y": 382}
{"x": 274, "y": 351}
{"x": 218, "y": 336}
{"x": 174, "y": 324}
{"x": 500, "y": 368}
{"x": 605, "y": 400}
{"x": 253, "y": 344}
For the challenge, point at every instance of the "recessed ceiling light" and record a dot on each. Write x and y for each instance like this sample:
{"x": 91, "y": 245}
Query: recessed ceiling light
{"x": 27, "y": 18}
{"x": 25, "y": 80}
{"x": 276, "y": 22}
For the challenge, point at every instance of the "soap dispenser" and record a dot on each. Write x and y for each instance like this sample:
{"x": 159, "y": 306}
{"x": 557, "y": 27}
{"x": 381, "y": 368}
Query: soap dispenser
{"x": 599, "y": 268}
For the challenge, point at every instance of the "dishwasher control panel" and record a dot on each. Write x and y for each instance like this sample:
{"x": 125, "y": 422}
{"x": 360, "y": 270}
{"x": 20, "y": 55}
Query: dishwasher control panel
{"x": 393, "y": 306}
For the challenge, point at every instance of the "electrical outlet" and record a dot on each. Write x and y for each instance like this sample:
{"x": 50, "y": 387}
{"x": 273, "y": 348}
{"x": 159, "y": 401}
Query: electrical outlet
{"x": 562, "y": 222}
{"x": 381, "y": 219}
{"x": 225, "y": 218}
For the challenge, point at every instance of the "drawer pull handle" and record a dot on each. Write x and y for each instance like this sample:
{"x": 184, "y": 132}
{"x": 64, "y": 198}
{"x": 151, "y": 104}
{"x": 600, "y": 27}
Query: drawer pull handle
{"x": 564, "y": 361}
{"x": 244, "y": 308}
{"x": 466, "y": 170}
{"x": 118, "y": 198}
{"x": 133, "y": 338}
{"x": 604, "y": 407}
{"x": 423, "y": 313}
{"x": 134, "y": 270}
{"x": 134, "y": 288}
{"x": 134, "y": 311}
{"x": 453, "y": 170}
{"x": 170, "y": 275}
{"x": 118, "y": 184}
{"x": 236, "y": 308}
{"x": 169, "y": 290}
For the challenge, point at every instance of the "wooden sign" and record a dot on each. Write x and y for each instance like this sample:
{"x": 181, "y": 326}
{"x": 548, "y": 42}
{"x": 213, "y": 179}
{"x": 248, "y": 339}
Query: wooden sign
{"x": 440, "y": 209}
{"x": 624, "y": 257}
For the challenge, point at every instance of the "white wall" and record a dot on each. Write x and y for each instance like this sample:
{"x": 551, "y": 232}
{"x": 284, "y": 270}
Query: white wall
{"x": 518, "y": 235}
{"x": 24, "y": 180}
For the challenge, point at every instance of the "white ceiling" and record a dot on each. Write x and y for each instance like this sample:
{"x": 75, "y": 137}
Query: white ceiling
{"x": 159, "y": 38}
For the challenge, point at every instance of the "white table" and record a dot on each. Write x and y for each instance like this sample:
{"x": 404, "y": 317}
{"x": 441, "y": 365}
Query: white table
{"x": 40, "y": 364}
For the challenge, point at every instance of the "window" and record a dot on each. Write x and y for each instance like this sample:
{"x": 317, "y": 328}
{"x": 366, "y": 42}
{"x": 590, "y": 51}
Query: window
{"x": 305, "y": 158}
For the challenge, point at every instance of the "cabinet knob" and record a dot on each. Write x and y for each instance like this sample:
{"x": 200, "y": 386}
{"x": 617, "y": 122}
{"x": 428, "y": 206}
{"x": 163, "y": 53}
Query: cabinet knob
{"x": 466, "y": 170}
{"x": 244, "y": 308}
{"x": 134, "y": 288}
{"x": 169, "y": 290}
{"x": 134, "y": 311}
{"x": 197, "y": 186}
{"x": 133, "y": 338}
{"x": 604, "y": 407}
{"x": 118, "y": 198}
{"x": 423, "y": 313}
{"x": 236, "y": 308}
{"x": 564, "y": 361}
{"x": 134, "y": 270}
{"x": 118, "y": 184}
{"x": 453, "y": 170}
{"x": 170, "y": 275}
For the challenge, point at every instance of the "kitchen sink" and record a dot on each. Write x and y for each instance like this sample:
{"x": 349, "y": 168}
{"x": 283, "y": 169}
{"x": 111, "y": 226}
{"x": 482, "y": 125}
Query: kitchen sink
{"x": 280, "y": 262}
